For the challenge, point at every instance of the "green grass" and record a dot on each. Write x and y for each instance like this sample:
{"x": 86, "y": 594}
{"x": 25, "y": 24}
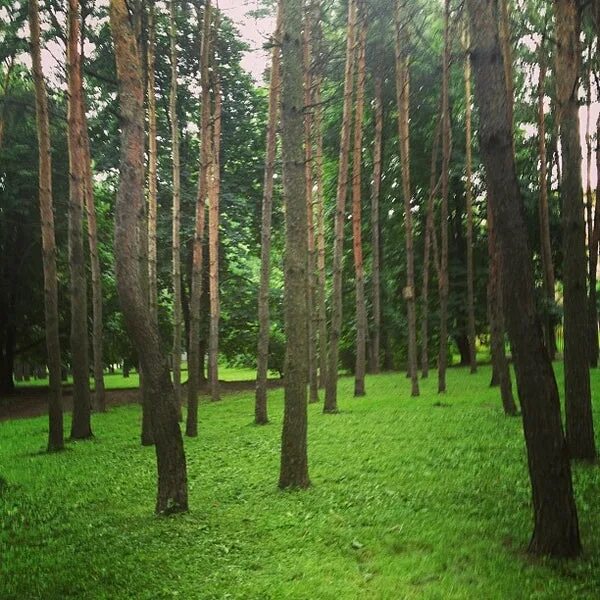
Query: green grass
{"x": 116, "y": 381}
{"x": 409, "y": 500}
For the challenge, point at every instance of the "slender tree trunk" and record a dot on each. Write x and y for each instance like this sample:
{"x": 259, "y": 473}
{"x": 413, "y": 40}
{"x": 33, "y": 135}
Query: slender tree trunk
{"x": 152, "y": 168}
{"x": 294, "y": 460}
{"x": 429, "y": 234}
{"x": 55, "y": 414}
{"x": 213, "y": 247}
{"x": 375, "y": 243}
{"x": 556, "y": 530}
{"x": 176, "y": 248}
{"x": 260, "y": 406}
{"x": 594, "y": 250}
{"x": 403, "y": 99}
{"x": 469, "y": 203}
{"x": 81, "y": 424}
{"x": 195, "y": 356}
{"x": 313, "y": 319}
{"x": 578, "y": 404}
{"x": 5, "y": 88}
{"x": 340, "y": 217}
{"x": 321, "y": 297}
{"x": 97, "y": 327}
{"x": 501, "y": 368}
{"x": 172, "y": 477}
{"x": 361, "y": 307}
{"x": 544, "y": 213}
{"x": 443, "y": 279}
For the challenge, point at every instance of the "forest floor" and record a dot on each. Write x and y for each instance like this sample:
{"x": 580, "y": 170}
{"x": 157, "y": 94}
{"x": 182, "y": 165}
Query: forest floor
{"x": 411, "y": 498}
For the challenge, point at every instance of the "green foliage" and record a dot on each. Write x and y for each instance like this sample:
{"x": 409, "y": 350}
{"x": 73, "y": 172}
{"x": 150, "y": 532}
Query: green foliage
{"x": 411, "y": 498}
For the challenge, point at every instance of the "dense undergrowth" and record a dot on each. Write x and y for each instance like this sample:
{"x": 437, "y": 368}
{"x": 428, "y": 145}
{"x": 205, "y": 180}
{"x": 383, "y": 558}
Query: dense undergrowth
{"x": 411, "y": 498}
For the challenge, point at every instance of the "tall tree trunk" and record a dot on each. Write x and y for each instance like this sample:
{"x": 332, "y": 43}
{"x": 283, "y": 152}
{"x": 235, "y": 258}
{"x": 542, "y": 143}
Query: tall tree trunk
{"x": 321, "y": 297}
{"x": 5, "y": 88}
{"x": 195, "y": 356}
{"x": 594, "y": 250}
{"x": 361, "y": 306}
{"x": 443, "y": 279}
{"x": 469, "y": 203}
{"x": 294, "y": 459}
{"x": 403, "y": 99}
{"x": 55, "y": 414}
{"x": 260, "y": 406}
{"x": 311, "y": 283}
{"x": 92, "y": 228}
{"x": 81, "y": 424}
{"x": 213, "y": 247}
{"x": 330, "y": 405}
{"x": 176, "y": 249}
{"x": 578, "y": 405}
{"x": 152, "y": 168}
{"x": 375, "y": 243}
{"x": 544, "y": 213}
{"x": 556, "y": 530}
{"x": 172, "y": 477}
{"x": 429, "y": 235}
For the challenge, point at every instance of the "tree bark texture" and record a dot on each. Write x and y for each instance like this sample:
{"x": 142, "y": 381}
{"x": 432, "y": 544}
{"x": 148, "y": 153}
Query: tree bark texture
{"x": 294, "y": 459}
{"x": 556, "y": 530}
{"x": 55, "y": 413}
{"x": 330, "y": 405}
{"x": 81, "y": 427}
{"x": 172, "y": 477}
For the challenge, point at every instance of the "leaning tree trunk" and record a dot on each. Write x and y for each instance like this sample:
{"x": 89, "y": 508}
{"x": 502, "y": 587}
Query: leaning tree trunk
{"x": 544, "y": 214}
{"x": 375, "y": 233}
{"x": 469, "y": 207}
{"x": 556, "y": 530}
{"x": 176, "y": 224}
{"x": 195, "y": 357}
{"x": 81, "y": 424}
{"x": 172, "y": 477}
{"x": 262, "y": 354}
{"x": 361, "y": 306}
{"x": 311, "y": 272}
{"x": 213, "y": 247}
{"x": 294, "y": 459}
{"x": 578, "y": 405}
{"x": 443, "y": 279}
{"x": 55, "y": 414}
{"x": 403, "y": 100}
{"x": 500, "y": 366}
{"x": 330, "y": 405}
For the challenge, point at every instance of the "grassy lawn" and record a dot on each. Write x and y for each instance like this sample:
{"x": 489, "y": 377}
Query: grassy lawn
{"x": 116, "y": 381}
{"x": 410, "y": 499}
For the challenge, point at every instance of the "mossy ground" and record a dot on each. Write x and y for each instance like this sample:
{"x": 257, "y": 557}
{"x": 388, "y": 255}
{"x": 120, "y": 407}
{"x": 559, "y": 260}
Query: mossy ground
{"x": 411, "y": 498}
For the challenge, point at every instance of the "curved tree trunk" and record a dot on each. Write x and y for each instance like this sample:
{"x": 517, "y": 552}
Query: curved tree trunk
{"x": 55, "y": 414}
{"x": 403, "y": 99}
{"x": 172, "y": 477}
{"x": 262, "y": 354}
{"x": 578, "y": 404}
{"x": 294, "y": 460}
{"x": 361, "y": 307}
{"x": 81, "y": 427}
{"x": 330, "y": 405}
{"x": 556, "y": 530}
